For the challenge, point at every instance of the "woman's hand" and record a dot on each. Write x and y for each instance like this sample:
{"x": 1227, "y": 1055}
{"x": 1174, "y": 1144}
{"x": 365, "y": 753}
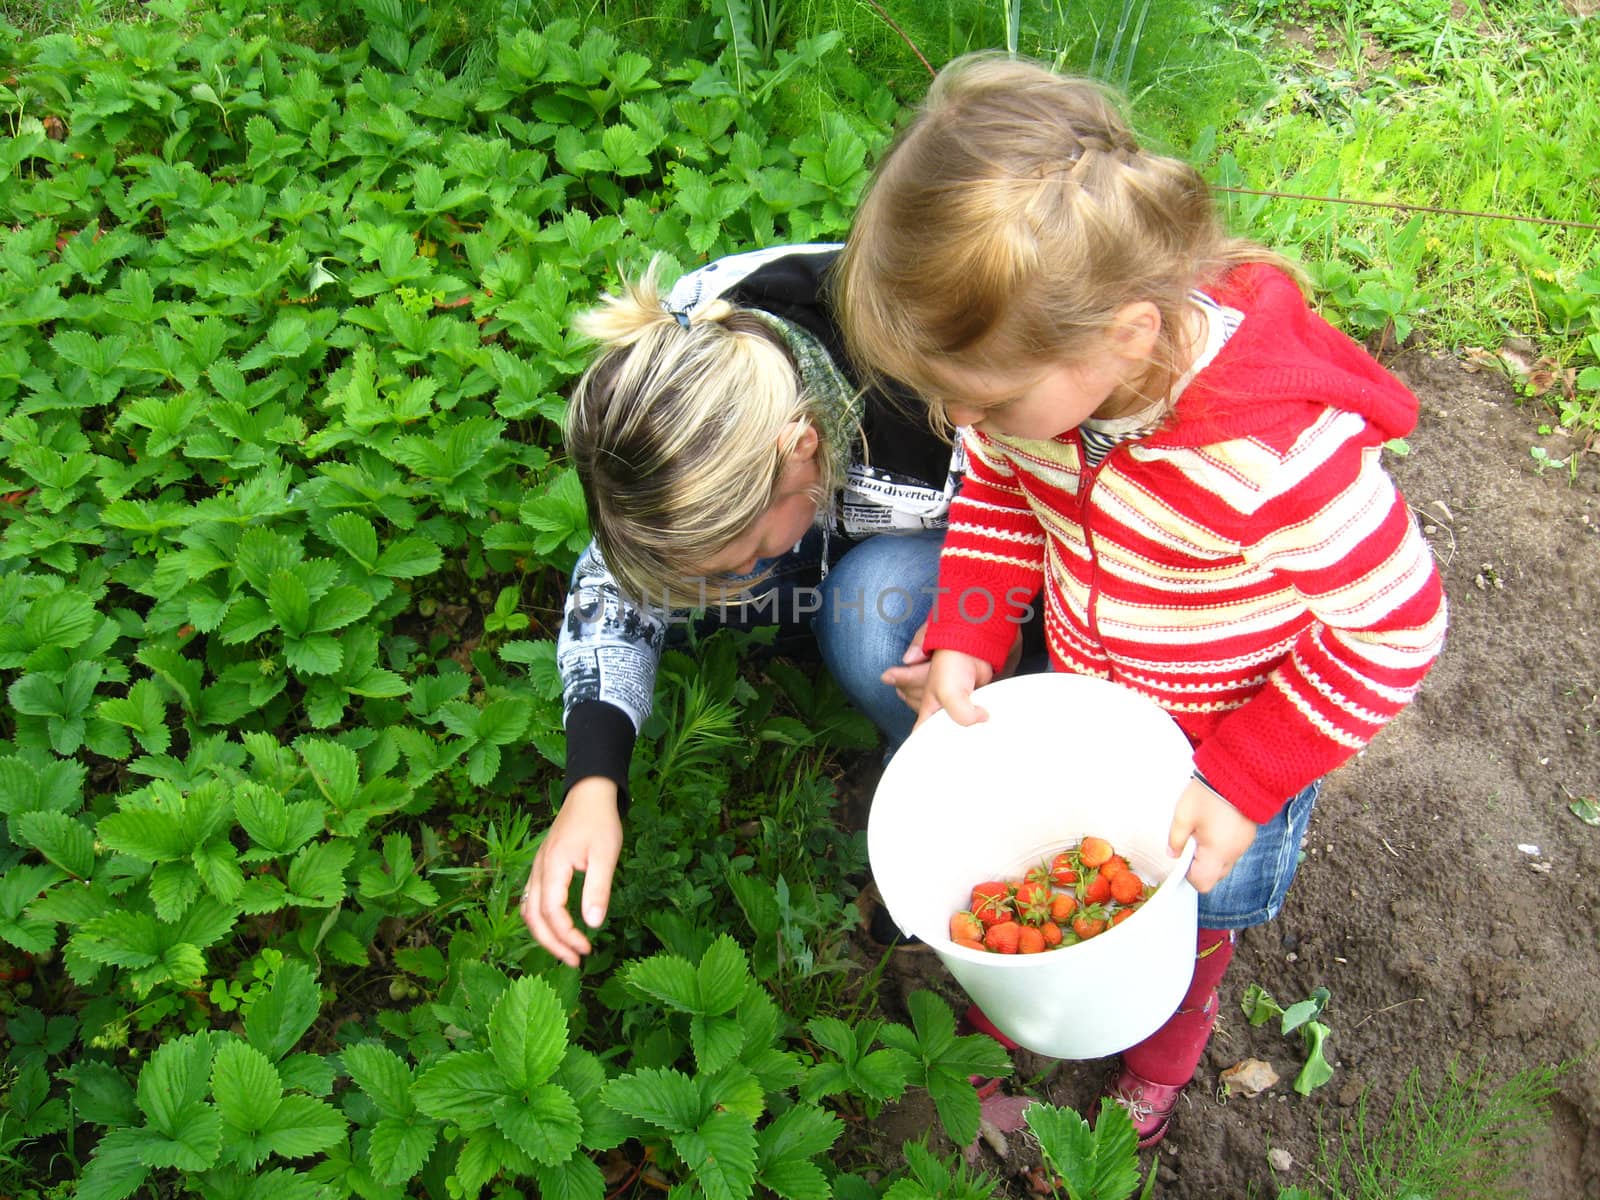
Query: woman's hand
{"x": 585, "y": 836}
{"x": 910, "y": 678}
{"x": 952, "y": 678}
{"x": 1221, "y": 834}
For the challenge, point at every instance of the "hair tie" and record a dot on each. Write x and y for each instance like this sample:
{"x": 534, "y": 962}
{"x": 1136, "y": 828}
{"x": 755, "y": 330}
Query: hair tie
{"x": 681, "y": 317}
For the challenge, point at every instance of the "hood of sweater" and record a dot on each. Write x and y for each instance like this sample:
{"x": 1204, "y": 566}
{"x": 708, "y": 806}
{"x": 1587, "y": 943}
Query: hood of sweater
{"x": 1282, "y": 366}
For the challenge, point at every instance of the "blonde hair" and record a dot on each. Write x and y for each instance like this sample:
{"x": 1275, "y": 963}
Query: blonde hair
{"x": 679, "y": 430}
{"x": 1008, "y": 223}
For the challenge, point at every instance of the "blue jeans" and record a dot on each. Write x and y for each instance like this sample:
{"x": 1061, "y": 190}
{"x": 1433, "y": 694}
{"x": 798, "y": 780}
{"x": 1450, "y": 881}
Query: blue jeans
{"x": 859, "y": 618}
{"x": 1254, "y": 890}
{"x": 875, "y": 597}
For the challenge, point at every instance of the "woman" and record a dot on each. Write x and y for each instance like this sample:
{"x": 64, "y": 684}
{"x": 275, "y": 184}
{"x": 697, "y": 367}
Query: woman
{"x": 727, "y": 449}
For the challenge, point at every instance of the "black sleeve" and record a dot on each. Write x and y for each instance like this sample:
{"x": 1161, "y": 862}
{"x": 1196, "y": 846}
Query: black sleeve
{"x": 600, "y": 740}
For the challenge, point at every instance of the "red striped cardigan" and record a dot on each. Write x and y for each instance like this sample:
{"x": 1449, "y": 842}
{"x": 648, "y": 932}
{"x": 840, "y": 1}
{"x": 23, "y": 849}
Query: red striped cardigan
{"x": 1250, "y": 566}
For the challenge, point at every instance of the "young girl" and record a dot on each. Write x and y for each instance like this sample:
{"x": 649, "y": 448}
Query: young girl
{"x": 724, "y": 444}
{"x": 1168, "y": 444}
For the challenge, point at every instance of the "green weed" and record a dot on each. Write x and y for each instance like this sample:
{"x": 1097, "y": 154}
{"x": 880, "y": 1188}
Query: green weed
{"x": 1464, "y": 1138}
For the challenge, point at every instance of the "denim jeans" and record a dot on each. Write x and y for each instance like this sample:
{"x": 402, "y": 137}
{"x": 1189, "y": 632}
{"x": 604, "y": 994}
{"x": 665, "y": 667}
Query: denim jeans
{"x": 1253, "y": 892}
{"x": 859, "y": 618}
{"x": 875, "y": 597}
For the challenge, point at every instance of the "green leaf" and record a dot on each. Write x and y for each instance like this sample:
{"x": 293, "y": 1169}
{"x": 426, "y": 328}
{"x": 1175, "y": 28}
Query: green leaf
{"x": 273, "y": 824}
{"x": 316, "y": 876}
{"x": 335, "y": 769}
{"x": 786, "y": 1146}
{"x": 174, "y": 1080}
{"x": 280, "y": 1016}
{"x": 247, "y": 1089}
{"x": 399, "y": 1147}
{"x": 1587, "y": 808}
{"x": 724, "y": 976}
{"x": 144, "y": 711}
{"x": 115, "y": 1172}
{"x": 217, "y": 864}
{"x": 716, "y": 1041}
{"x": 66, "y": 842}
{"x": 802, "y": 1131}
{"x": 721, "y": 1155}
{"x": 578, "y": 1178}
{"x": 318, "y": 654}
{"x": 382, "y": 1075}
{"x": 409, "y": 558}
{"x": 546, "y": 1127}
{"x": 300, "y": 1127}
{"x": 60, "y": 619}
{"x": 193, "y": 1145}
{"x": 1317, "y": 1070}
{"x": 528, "y": 1032}
{"x": 355, "y": 535}
{"x": 1258, "y": 1005}
{"x": 671, "y": 980}
{"x": 664, "y": 1098}
{"x": 1103, "y": 1162}
{"x": 461, "y": 1087}
{"x": 289, "y": 602}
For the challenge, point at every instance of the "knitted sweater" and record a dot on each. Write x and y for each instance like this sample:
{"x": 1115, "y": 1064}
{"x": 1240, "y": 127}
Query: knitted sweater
{"x": 1249, "y": 566}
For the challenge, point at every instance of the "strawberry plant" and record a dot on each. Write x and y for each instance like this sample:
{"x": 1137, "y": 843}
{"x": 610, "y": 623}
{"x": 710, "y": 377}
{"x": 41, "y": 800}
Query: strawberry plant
{"x": 1259, "y": 1008}
{"x": 282, "y": 537}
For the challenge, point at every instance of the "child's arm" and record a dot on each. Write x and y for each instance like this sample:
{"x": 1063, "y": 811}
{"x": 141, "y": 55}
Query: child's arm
{"x": 992, "y": 565}
{"x": 586, "y": 836}
{"x": 1221, "y": 834}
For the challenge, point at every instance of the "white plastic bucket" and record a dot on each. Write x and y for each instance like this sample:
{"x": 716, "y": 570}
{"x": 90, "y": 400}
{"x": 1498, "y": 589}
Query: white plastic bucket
{"x": 1060, "y": 756}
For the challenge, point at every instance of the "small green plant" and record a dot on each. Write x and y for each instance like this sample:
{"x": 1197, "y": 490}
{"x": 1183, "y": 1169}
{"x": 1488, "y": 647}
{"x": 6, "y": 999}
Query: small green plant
{"x": 1259, "y": 1008}
{"x": 1090, "y": 1163}
{"x": 1463, "y": 1138}
{"x": 931, "y": 1177}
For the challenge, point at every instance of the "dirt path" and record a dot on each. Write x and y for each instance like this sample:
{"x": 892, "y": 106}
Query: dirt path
{"x": 1449, "y": 898}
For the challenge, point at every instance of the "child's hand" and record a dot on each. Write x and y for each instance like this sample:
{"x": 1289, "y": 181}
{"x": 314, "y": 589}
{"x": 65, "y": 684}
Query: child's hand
{"x": 952, "y": 678}
{"x": 586, "y": 836}
{"x": 1221, "y": 833}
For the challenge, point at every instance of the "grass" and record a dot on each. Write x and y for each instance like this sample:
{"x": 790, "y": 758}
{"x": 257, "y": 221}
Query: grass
{"x": 39, "y": 17}
{"x": 1400, "y": 101}
{"x": 1466, "y": 1141}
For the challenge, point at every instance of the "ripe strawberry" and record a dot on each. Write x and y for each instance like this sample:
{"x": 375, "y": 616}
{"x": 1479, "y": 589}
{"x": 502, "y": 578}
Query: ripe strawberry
{"x": 1030, "y": 940}
{"x": 1089, "y": 923}
{"x": 1062, "y": 906}
{"x": 970, "y": 943}
{"x": 1113, "y": 866}
{"x": 1122, "y": 914}
{"x": 1093, "y": 851}
{"x": 1063, "y": 871}
{"x": 991, "y": 902}
{"x": 1126, "y": 887}
{"x": 1052, "y": 933}
{"x": 1033, "y": 901}
{"x": 1003, "y": 938}
{"x": 963, "y": 925}
{"x": 1097, "y": 890}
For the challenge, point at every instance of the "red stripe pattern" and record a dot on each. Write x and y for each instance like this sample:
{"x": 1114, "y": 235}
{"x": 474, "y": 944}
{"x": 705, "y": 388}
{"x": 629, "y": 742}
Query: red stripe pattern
{"x": 1271, "y": 592}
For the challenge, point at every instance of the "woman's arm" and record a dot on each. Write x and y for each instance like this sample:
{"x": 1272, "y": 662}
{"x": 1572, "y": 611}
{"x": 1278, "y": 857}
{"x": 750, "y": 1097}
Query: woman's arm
{"x": 608, "y": 651}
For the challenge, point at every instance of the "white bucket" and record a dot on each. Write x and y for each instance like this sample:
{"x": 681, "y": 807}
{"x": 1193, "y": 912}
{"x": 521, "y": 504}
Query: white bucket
{"x": 1060, "y": 756}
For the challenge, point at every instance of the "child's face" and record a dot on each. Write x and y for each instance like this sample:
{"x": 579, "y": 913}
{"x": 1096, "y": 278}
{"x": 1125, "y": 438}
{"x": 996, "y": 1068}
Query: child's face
{"x": 1039, "y": 404}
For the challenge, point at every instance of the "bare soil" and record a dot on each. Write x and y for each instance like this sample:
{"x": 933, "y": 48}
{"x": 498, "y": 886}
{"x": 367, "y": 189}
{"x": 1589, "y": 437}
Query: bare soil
{"x": 1448, "y": 898}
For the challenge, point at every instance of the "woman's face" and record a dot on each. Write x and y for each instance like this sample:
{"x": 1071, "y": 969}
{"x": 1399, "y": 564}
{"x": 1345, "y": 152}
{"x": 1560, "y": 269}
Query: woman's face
{"x": 786, "y": 520}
